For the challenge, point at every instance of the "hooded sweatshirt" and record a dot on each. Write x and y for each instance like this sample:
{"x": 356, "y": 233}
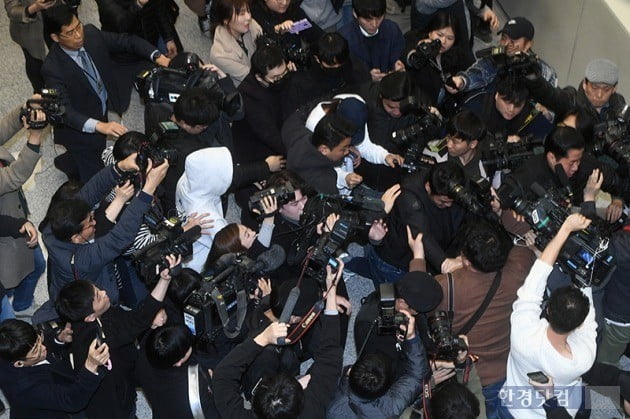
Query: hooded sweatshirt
{"x": 207, "y": 175}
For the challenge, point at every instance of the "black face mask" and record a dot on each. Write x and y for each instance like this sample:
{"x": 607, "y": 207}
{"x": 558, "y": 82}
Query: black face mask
{"x": 277, "y": 86}
{"x": 333, "y": 72}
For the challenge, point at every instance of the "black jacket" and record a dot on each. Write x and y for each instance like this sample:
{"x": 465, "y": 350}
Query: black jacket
{"x": 116, "y": 396}
{"x": 267, "y": 19}
{"x": 304, "y": 159}
{"x": 536, "y": 170}
{"x": 49, "y": 390}
{"x": 415, "y": 209}
{"x": 325, "y": 371}
{"x": 258, "y": 134}
{"x": 77, "y": 95}
{"x": 167, "y": 390}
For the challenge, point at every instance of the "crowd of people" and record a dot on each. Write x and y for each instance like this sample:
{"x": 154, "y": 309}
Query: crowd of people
{"x": 486, "y": 206}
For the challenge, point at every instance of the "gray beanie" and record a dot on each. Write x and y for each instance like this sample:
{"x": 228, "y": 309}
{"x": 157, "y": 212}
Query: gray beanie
{"x": 602, "y": 70}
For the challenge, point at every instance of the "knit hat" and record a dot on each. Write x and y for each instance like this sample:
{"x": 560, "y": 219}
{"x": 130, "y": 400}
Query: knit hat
{"x": 519, "y": 27}
{"x": 602, "y": 70}
{"x": 420, "y": 290}
{"x": 356, "y": 112}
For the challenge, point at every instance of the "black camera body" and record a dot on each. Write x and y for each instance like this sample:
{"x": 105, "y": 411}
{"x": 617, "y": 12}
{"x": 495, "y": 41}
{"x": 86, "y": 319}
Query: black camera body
{"x": 415, "y": 159}
{"x": 389, "y": 319}
{"x": 425, "y": 127}
{"x": 49, "y": 104}
{"x": 424, "y": 52}
{"x": 517, "y": 65}
{"x": 300, "y": 55}
{"x": 156, "y": 149}
{"x": 500, "y": 154}
{"x": 613, "y": 140}
{"x": 171, "y": 240}
{"x": 475, "y": 198}
{"x": 447, "y": 346}
{"x": 585, "y": 254}
{"x": 283, "y": 194}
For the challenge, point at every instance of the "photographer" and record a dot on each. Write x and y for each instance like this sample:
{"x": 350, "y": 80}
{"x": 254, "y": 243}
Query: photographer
{"x": 417, "y": 292}
{"x": 482, "y": 293}
{"x": 91, "y": 313}
{"x": 69, "y": 234}
{"x": 508, "y": 111}
{"x": 370, "y": 388}
{"x": 562, "y": 344}
{"x": 167, "y": 366}
{"x": 465, "y": 133}
{"x": 21, "y": 257}
{"x": 516, "y": 38}
{"x": 433, "y": 54}
{"x": 40, "y": 384}
{"x": 282, "y": 395}
{"x": 384, "y": 115}
{"x": 564, "y": 163}
{"x": 596, "y": 98}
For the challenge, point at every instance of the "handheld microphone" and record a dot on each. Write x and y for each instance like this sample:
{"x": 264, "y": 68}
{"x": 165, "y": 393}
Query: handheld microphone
{"x": 287, "y": 310}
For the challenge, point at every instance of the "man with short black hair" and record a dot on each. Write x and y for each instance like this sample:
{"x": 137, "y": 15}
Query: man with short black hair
{"x": 41, "y": 386}
{"x": 376, "y": 41}
{"x": 166, "y": 366}
{"x": 371, "y": 388}
{"x": 79, "y": 66}
{"x": 561, "y": 344}
{"x": 90, "y": 311}
{"x": 492, "y": 270}
{"x": 464, "y": 135}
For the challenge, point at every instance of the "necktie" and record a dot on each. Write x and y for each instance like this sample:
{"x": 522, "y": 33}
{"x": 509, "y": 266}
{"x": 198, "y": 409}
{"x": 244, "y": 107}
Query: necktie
{"x": 94, "y": 78}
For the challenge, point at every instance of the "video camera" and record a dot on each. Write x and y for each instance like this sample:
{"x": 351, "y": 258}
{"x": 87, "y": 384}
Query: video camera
{"x": 156, "y": 149}
{"x": 517, "y": 65}
{"x": 166, "y": 84}
{"x": 415, "y": 159}
{"x": 474, "y": 198}
{"x": 356, "y": 215}
{"x": 426, "y": 126}
{"x": 224, "y": 293}
{"x": 447, "y": 345}
{"x": 500, "y": 154}
{"x": 584, "y": 256}
{"x": 301, "y": 55}
{"x": 49, "y": 104}
{"x": 283, "y": 194}
{"x": 171, "y": 240}
{"x": 389, "y": 319}
{"x": 424, "y": 52}
{"x": 614, "y": 140}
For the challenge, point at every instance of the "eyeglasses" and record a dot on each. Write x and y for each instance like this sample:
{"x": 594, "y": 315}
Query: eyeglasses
{"x": 72, "y": 33}
{"x": 276, "y": 79}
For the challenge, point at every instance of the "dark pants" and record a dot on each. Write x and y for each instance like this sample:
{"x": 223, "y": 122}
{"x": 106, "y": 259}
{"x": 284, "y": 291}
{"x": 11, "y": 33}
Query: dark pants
{"x": 80, "y": 164}
{"x": 34, "y": 71}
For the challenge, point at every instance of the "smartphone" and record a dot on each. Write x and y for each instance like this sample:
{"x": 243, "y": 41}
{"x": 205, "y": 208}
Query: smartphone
{"x": 538, "y": 376}
{"x": 100, "y": 336}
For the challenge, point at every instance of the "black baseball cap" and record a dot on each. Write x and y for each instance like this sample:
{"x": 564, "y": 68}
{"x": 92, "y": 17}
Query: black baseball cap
{"x": 518, "y": 27}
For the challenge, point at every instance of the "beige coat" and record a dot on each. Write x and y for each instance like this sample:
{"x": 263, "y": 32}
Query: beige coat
{"x": 228, "y": 55}
{"x": 16, "y": 259}
{"x": 25, "y": 31}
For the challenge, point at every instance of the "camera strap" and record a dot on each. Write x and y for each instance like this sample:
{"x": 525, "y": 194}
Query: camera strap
{"x": 482, "y": 308}
{"x": 241, "y": 311}
{"x": 529, "y": 119}
{"x": 307, "y": 321}
{"x": 194, "y": 400}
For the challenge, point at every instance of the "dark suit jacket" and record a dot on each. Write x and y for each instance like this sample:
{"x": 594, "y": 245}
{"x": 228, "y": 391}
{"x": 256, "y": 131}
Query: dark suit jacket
{"x": 81, "y": 101}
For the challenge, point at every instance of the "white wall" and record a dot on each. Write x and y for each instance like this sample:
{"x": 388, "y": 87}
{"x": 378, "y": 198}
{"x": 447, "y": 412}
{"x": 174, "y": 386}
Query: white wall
{"x": 569, "y": 33}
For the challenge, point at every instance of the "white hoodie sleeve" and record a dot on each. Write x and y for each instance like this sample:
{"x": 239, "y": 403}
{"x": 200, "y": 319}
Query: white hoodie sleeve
{"x": 372, "y": 152}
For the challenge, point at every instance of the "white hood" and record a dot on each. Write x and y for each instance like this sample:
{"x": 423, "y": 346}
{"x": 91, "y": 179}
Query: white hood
{"x": 207, "y": 175}
{"x": 318, "y": 111}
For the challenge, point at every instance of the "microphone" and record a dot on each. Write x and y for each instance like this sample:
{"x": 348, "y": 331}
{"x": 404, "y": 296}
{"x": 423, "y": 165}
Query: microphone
{"x": 365, "y": 202}
{"x": 269, "y": 260}
{"x": 287, "y": 310}
{"x": 223, "y": 262}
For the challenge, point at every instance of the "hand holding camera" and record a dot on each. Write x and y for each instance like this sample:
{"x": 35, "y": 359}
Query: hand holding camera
{"x": 272, "y": 333}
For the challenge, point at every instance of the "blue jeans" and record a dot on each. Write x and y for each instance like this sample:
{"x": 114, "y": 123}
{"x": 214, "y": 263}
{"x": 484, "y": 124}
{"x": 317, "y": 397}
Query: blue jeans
{"x": 23, "y": 293}
{"x": 6, "y": 311}
{"x": 494, "y": 408}
{"x": 373, "y": 267}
